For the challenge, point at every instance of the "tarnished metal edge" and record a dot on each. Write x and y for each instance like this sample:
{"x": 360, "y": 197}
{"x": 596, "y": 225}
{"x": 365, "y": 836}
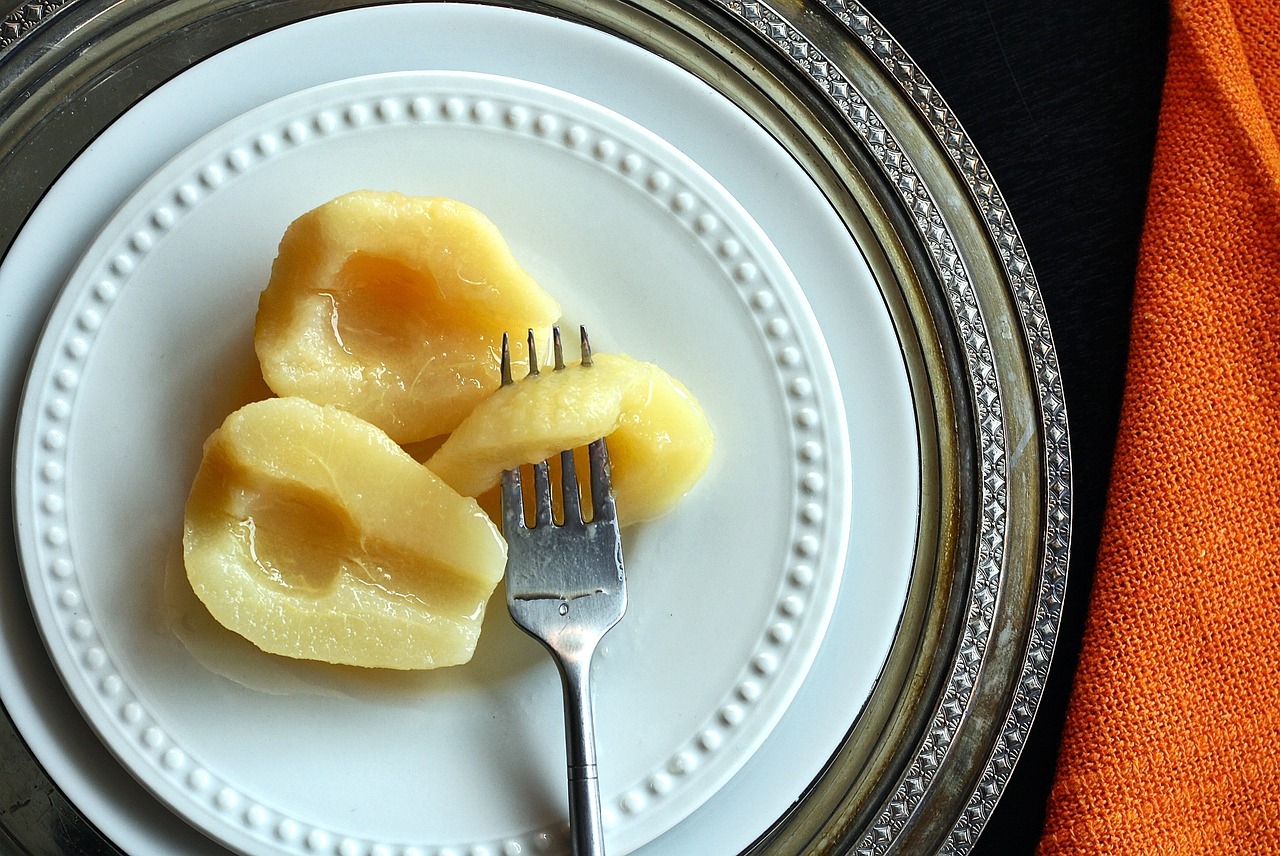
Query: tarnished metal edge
{"x": 1051, "y": 585}
{"x": 919, "y": 782}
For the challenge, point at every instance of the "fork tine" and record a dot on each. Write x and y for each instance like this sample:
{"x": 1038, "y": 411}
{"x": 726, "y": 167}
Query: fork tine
{"x": 586, "y": 347}
{"x": 512, "y": 503}
{"x": 602, "y": 503}
{"x": 512, "y": 498}
{"x": 569, "y": 488}
{"x": 541, "y": 495}
{"x": 505, "y": 365}
{"x": 557, "y": 347}
{"x": 533, "y": 355}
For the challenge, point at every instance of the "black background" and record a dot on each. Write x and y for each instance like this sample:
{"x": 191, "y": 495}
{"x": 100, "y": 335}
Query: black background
{"x": 1061, "y": 99}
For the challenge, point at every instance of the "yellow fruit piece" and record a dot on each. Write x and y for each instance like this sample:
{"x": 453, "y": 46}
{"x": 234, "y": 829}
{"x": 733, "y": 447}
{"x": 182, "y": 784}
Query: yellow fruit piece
{"x": 660, "y": 442}
{"x": 313, "y": 535}
{"x": 387, "y": 305}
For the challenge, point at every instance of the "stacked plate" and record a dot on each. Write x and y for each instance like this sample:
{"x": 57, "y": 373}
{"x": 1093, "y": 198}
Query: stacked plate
{"x": 837, "y": 642}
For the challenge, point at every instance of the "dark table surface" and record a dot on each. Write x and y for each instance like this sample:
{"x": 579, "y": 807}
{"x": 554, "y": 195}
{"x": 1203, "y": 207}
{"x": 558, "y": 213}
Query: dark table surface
{"x": 1061, "y": 99}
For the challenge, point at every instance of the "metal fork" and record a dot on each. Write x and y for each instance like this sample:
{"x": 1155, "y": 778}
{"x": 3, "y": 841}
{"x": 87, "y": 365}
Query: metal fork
{"x": 566, "y": 587}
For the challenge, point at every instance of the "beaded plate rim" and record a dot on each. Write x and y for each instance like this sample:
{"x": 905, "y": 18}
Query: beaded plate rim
{"x": 803, "y": 373}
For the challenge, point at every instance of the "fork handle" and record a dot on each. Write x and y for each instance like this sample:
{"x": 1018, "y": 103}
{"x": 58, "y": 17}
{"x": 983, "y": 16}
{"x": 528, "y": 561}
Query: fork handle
{"x": 586, "y": 829}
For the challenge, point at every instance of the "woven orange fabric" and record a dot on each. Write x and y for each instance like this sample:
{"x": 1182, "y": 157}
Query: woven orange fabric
{"x": 1172, "y": 742}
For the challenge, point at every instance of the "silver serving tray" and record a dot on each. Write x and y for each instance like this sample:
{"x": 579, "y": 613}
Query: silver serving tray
{"x": 922, "y": 766}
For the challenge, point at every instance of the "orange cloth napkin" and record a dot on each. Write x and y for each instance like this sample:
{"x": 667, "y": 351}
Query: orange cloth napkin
{"x": 1172, "y": 741}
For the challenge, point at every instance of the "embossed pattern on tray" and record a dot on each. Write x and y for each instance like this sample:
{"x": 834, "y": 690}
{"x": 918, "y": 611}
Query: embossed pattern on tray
{"x": 24, "y": 19}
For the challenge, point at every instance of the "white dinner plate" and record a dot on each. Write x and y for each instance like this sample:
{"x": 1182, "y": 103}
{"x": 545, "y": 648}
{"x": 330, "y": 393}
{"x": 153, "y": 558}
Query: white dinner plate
{"x": 668, "y": 251}
{"x": 149, "y": 348}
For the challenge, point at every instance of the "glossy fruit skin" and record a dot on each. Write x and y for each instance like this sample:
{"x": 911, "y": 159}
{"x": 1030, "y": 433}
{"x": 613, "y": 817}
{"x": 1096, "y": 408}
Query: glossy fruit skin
{"x": 660, "y": 441}
{"x": 313, "y": 535}
{"x": 392, "y": 307}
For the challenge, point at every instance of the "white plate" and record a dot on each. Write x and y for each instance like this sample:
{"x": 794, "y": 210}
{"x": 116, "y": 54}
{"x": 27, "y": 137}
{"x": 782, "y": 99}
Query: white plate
{"x": 149, "y": 348}
{"x": 756, "y": 171}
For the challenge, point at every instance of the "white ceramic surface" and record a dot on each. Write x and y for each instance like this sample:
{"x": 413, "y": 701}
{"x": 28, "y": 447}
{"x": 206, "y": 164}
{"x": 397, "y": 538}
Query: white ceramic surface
{"x": 149, "y": 348}
{"x": 870, "y": 376}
